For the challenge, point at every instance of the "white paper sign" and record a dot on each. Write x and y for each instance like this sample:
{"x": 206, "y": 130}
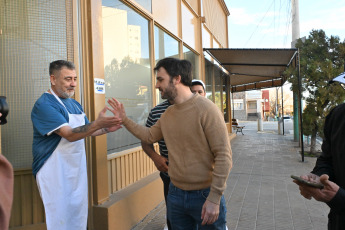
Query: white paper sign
{"x": 99, "y": 86}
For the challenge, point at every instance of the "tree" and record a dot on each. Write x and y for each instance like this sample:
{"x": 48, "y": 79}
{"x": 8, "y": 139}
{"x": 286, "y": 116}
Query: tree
{"x": 321, "y": 59}
{"x": 287, "y": 100}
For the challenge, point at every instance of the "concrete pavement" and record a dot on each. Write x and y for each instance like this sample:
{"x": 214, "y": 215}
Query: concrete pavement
{"x": 260, "y": 194}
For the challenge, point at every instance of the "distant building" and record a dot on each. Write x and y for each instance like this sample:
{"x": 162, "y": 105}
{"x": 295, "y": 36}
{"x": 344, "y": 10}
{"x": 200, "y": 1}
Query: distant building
{"x": 249, "y": 106}
{"x": 265, "y": 104}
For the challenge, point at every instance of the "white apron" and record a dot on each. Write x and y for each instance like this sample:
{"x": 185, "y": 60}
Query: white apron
{"x": 62, "y": 182}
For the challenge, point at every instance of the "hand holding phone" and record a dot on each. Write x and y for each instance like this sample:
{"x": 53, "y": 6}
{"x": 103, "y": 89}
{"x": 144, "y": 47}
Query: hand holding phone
{"x": 308, "y": 183}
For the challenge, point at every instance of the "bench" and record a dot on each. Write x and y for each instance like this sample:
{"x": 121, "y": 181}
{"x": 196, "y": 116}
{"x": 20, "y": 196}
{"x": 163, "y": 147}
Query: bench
{"x": 236, "y": 126}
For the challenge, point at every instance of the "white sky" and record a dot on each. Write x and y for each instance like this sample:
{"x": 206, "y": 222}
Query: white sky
{"x": 267, "y": 23}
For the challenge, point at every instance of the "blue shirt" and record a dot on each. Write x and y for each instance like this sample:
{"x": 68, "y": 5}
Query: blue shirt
{"x": 47, "y": 116}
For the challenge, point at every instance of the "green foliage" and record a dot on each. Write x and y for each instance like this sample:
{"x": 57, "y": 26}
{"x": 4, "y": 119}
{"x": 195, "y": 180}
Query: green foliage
{"x": 321, "y": 59}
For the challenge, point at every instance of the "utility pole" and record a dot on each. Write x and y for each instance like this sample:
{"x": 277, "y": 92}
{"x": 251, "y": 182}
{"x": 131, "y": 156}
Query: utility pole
{"x": 295, "y": 36}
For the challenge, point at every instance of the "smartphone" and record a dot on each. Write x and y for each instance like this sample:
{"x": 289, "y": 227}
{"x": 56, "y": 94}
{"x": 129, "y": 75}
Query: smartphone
{"x": 309, "y": 183}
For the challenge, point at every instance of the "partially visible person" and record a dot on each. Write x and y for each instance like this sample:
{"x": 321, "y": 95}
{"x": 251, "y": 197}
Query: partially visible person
{"x": 330, "y": 168}
{"x": 59, "y": 160}
{"x": 199, "y": 149}
{"x": 198, "y": 86}
{"x": 160, "y": 161}
{"x": 6, "y": 191}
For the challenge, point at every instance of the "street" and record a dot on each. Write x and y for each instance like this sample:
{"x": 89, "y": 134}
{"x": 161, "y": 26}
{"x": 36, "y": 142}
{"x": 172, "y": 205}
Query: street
{"x": 268, "y": 126}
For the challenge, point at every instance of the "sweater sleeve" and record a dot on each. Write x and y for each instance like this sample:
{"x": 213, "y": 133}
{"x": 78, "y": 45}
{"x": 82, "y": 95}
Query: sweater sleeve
{"x": 218, "y": 139}
{"x": 148, "y": 135}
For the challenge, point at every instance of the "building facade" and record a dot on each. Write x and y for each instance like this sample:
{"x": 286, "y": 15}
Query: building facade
{"x": 115, "y": 45}
{"x": 250, "y": 105}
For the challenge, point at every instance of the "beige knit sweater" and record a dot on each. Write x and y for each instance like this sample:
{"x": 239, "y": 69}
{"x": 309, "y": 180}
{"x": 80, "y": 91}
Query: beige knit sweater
{"x": 198, "y": 143}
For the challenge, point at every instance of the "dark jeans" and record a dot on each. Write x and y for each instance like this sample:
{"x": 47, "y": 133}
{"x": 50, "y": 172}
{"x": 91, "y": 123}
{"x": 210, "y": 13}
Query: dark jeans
{"x": 166, "y": 181}
{"x": 184, "y": 209}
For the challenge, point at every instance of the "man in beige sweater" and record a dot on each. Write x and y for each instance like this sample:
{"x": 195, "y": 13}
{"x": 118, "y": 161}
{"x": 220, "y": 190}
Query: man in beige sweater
{"x": 199, "y": 149}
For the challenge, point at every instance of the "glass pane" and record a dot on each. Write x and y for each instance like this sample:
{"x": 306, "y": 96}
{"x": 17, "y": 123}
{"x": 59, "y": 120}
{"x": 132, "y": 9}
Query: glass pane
{"x": 127, "y": 69}
{"x": 30, "y": 39}
{"x": 206, "y": 38}
{"x": 165, "y": 46}
{"x": 165, "y": 13}
{"x": 194, "y": 59}
{"x": 215, "y": 44}
{"x": 189, "y": 25}
{"x": 146, "y": 4}
{"x": 208, "y": 78}
{"x": 225, "y": 102}
{"x": 218, "y": 88}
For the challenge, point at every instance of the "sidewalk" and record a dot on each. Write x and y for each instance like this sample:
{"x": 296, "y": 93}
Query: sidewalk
{"x": 260, "y": 194}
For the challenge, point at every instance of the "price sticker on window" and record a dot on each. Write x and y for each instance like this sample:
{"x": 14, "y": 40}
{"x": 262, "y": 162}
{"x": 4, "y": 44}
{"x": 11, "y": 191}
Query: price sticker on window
{"x": 99, "y": 86}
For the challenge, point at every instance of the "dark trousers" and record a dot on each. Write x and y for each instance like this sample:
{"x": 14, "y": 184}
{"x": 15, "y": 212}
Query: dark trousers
{"x": 184, "y": 209}
{"x": 166, "y": 182}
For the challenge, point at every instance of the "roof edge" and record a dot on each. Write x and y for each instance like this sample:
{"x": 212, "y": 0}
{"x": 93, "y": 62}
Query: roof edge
{"x": 206, "y": 49}
{"x": 225, "y": 8}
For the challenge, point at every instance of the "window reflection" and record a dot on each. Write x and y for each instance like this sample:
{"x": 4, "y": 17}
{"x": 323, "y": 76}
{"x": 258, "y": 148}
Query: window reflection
{"x": 127, "y": 69}
{"x": 215, "y": 74}
{"x": 206, "y": 38}
{"x": 218, "y": 88}
{"x": 209, "y": 79}
{"x": 165, "y": 46}
{"x": 146, "y": 4}
{"x": 194, "y": 59}
{"x": 225, "y": 101}
{"x": 189, "y": 25}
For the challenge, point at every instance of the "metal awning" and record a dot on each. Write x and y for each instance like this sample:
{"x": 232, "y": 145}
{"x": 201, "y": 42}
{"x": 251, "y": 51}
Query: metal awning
{"x": 251, "y": 69}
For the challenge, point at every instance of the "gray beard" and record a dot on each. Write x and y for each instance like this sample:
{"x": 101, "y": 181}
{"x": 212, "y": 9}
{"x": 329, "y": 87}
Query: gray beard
{"x": 65, "y": 94}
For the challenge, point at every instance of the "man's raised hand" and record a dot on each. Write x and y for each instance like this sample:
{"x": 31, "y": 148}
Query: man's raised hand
{"x": 117, "y": 108}
{"x": 103, "y": 121}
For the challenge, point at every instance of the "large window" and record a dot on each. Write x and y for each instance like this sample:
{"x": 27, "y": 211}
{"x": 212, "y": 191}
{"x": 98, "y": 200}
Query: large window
{"x": 33, "y": 34}
{"x": 225, "y": 94}
{"x": 206, "y": 38}
{"x": 209, "y": 79}
{"x": 214, "y": 75}
{"x": 189, "y": 26}
{"x": 218, "y": 87}
{"x": 165, "y": 46}
{"x": 194, "y": 59}
{"x": 147, "y": 4}
{"x": 165, "y": 13}
{"x": 127, "y": 67}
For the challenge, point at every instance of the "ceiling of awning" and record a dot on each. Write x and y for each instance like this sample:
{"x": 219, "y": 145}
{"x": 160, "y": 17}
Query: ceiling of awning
{"x": 251, "y": 69}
